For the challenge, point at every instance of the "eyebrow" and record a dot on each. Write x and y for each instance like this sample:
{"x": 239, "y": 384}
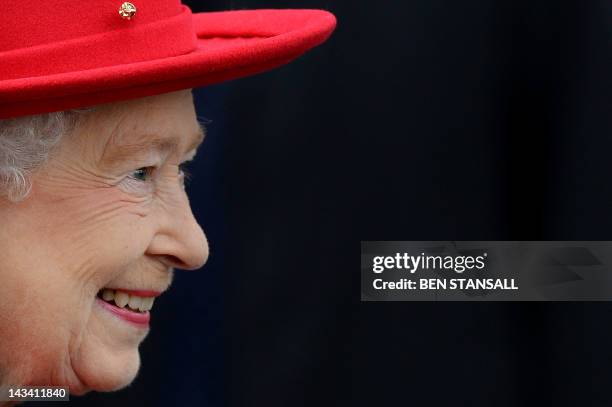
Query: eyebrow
{"x": 120, "y": 152}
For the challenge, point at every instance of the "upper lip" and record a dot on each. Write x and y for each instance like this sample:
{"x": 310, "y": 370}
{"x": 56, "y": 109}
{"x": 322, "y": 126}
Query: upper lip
{"x": 136, "y": 292}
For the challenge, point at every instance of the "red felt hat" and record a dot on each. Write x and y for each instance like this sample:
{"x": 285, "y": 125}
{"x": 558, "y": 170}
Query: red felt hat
{"x": 60, "y": 54}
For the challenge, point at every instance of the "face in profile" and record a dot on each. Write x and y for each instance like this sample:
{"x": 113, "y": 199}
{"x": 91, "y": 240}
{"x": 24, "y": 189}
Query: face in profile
{"x": 97, "y": 239}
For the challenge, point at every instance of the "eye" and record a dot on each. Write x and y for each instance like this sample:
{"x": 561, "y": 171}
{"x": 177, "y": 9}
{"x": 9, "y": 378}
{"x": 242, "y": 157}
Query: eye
{"x": 142, "y": 174}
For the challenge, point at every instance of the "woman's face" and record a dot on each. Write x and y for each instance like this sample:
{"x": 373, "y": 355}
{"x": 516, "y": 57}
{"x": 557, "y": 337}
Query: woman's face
{"x": 108, "y": 211}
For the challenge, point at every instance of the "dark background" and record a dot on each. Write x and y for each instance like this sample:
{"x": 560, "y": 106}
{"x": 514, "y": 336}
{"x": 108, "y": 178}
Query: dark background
{"x": 418, "y": 120}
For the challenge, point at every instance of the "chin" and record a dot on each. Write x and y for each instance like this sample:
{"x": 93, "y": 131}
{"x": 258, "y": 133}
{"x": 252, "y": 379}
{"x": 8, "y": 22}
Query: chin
{"x": 104, "y": 372}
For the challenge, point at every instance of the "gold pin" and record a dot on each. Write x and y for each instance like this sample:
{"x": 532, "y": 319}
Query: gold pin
{"x": 127, "y": 11}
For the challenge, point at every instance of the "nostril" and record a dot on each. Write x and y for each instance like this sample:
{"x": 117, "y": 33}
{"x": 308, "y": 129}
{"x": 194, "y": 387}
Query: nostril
{"x": 174, "y": 262}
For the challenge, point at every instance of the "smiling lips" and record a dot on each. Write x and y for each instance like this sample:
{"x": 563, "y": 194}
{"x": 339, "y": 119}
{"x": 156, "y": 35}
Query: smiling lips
{"x": 130, "y": 305}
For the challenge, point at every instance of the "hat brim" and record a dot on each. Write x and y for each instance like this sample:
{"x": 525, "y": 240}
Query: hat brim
{"x": 230, "y": 45}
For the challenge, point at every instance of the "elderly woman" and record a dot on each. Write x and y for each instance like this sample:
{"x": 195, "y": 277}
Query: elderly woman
{"x": 97, "y": 121}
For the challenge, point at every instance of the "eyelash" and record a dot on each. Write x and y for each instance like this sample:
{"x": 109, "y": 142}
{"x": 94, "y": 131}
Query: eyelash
{"x": 148, "y": 171}
{"x": 184, "y": 172}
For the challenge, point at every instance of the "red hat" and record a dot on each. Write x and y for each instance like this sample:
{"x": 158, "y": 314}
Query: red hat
{"x": 60, "y": 54}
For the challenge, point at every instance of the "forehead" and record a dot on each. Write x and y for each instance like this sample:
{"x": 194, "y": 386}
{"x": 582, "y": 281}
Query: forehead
{"x": 159, "y": 120}
{"x": 166, "y": 122}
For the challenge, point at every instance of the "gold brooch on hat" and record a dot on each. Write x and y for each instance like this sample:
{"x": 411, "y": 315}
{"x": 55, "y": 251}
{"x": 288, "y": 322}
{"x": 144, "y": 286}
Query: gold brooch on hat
{"x": 127, "y": 11}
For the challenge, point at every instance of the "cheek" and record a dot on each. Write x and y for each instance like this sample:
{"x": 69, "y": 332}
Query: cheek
{"x": 62, "y": 254}
{"x": 99, "y": 235}
{"x": 37, "y": 332}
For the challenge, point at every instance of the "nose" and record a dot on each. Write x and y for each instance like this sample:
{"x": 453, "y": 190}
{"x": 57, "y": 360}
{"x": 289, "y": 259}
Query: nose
{"x": 180, "y": 241}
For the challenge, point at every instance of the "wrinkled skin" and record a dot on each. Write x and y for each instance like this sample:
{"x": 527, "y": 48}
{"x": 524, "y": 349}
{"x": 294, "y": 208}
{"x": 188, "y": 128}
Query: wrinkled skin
{"x": 104, "y": 211}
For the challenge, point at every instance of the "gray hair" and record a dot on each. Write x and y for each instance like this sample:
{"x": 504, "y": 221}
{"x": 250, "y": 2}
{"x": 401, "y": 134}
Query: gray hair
{"x": 25, "y": 145}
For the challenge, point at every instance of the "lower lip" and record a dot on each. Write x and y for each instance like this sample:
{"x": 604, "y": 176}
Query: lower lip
{"x": 139, "y": 319}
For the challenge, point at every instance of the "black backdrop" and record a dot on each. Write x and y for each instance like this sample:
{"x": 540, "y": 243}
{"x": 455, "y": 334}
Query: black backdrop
{"x": 418, "y": 120}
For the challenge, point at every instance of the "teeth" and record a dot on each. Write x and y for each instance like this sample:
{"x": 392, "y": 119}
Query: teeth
{"x": 108, "y": 295}
{"x": 121, "y": 299}
{"x": 147, "y": 304}
{"x": 135, "y": 302}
